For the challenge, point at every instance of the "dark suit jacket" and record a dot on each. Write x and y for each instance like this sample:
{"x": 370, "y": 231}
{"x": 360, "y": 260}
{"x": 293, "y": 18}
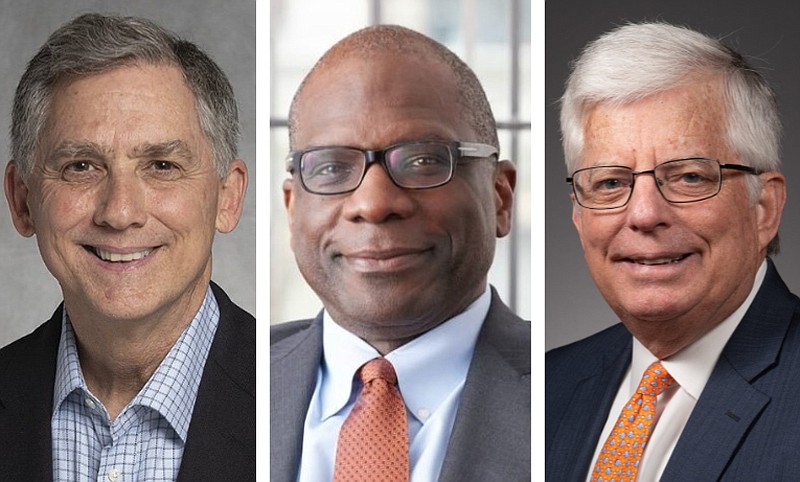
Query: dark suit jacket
{"x": 745, "y": 425}
{"x": 221, "y": 440}
{"x": 492, "y": 432}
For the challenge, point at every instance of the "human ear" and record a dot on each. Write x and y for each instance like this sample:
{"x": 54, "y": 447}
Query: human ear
{"x": 505, "y": 180}
{"x": 231, "y": 197}
{"x": 17, "y": 196}
{"x": 769, "y": 207}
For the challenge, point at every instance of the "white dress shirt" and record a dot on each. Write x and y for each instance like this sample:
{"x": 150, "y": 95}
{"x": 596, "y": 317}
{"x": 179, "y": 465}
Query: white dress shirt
{"x": 431, "y": 370}
{"x": 691, "y": 369}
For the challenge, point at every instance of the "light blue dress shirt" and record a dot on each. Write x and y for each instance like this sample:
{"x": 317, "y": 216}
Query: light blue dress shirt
{"x": 146, "y": 440}
{"x": 431, "y": 370}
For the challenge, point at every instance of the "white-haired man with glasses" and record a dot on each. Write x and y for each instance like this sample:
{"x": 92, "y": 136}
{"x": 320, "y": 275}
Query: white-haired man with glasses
{"x": 415, "y": 370}
{"x": 672, "y": 145}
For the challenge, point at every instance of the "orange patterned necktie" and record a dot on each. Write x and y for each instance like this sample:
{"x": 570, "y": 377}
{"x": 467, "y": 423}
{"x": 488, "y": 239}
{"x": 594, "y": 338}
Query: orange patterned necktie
{"x": 373, "y": 441}
{"x": 620, "y": 456}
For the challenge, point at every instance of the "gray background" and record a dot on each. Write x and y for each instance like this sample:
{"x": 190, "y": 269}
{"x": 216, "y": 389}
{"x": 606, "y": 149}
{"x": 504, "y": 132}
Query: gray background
{"x": 226, "y": 31}
{"x": 765, "y": 32}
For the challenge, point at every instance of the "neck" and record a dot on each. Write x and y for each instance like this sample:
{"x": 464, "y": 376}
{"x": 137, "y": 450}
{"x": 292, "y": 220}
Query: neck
{"x": 119, "y": 356}
{"x": 664, "y": 338}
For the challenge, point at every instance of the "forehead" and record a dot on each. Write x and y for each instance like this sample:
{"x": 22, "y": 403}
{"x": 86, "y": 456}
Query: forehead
{"x": 141, "y": 102}
{"x": 374, "y": 101}
{"x": 681, "y": 121}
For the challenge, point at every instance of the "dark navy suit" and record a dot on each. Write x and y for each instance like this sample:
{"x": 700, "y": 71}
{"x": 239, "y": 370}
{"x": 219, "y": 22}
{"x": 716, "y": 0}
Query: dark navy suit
{"x": 745, "y": 426}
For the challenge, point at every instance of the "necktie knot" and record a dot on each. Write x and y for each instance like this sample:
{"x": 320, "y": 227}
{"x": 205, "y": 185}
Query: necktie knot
{"x": 378, "y": 368}
{"x": 655, "y": 380}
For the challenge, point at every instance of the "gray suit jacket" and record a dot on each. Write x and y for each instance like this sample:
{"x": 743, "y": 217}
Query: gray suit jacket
{"x": 492, "y": 432}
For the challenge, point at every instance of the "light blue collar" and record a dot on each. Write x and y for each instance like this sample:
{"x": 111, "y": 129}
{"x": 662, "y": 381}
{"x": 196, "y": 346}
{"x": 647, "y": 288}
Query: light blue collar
{"x": 428, "y": 367}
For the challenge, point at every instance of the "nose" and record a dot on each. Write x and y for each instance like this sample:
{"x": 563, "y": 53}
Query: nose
{"x": 647, "y": 209}
{"x": 121, "y": 202}
{"x": 378, "y": 199}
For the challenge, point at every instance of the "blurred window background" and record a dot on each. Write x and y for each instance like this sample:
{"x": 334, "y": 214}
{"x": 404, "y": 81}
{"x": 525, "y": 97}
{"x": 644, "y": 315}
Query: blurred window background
{"x": 491, "y": 36}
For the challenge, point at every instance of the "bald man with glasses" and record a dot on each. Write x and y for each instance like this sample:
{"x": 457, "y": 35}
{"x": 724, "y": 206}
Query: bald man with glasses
{"x": 395, "y": 199}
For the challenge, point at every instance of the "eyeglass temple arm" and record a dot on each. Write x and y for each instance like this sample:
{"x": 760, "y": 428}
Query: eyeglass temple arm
{"x": 470, "y": 149}
{"x": 740, "y": 167}
{"x": 290, "y": 163}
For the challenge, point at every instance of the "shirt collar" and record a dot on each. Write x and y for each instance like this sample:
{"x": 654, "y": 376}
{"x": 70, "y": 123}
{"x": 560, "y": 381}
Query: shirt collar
{"x": 692, "y": 366}
{"x": 428, "y": 367}
{"x": 172, "y": 389}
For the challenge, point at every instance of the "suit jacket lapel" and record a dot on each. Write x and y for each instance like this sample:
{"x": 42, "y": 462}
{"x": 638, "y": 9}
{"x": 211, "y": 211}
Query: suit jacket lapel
{"x": 581, "y": 425}
{"x": 490, "y": 442}
{"x": 221, "y": 441}
{"x": 729, "y": 403}
{"x": 26, "y": 404}
{"x": 293, "y": 375}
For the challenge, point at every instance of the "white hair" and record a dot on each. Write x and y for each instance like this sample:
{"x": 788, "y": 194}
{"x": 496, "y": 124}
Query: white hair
{"x": 635, "y": 61}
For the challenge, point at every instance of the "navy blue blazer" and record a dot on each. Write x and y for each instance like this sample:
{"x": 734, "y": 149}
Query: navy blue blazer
{"x": 491, "y": 437}
{"x": 221, "y": 441}
{"x": 745, "y": 425}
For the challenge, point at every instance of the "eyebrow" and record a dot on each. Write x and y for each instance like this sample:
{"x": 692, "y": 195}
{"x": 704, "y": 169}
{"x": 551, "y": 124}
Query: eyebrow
{"x": 78, "y": 150}
{"x": 166, "y": 149}
{"x": 92, "y": 150}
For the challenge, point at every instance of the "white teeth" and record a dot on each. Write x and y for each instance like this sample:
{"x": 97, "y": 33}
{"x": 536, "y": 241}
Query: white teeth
{"x": 652, "y": 262}
{"x": 121, "y": 257}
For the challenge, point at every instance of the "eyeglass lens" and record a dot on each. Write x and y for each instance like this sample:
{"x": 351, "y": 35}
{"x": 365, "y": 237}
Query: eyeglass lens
{"x": 684, "y": 180}
{"x": 341, "y": 169}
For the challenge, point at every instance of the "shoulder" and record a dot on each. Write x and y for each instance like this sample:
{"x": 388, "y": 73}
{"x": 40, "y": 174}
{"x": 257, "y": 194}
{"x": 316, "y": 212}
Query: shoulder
{"x": 234, "y": 347}
{"x": 506, "y": 324}
{"x": 41, "y": 342}
{"x": 236, "y": 332}
{"x": 280, "y": 332}
{"x": 590, "y": 350}
{"x": 504, "y": 336}
{"x": 230, "y": 310}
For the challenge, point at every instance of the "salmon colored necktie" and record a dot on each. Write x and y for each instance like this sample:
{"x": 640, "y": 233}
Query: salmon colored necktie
{"x": 373, "y": 441}
{"x": 620, "y": 456}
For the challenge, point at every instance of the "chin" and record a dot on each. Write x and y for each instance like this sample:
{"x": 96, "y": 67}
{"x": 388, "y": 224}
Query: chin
{"x": 650, "y": 312}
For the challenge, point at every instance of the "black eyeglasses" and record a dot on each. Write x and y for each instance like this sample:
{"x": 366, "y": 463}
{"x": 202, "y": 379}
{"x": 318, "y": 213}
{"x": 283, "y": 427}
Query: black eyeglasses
{"x": 410, "y": 165}
{"x": 678, "y": 181}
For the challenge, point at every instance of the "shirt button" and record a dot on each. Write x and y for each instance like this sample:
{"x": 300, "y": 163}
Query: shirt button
{"x": 113, "y": 475}
{"x": 424, "y": 413}
{"x": 90, "y": 403}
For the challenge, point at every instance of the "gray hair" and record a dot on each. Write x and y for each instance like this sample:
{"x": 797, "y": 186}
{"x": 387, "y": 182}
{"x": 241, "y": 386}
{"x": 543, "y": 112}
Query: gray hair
{"x": 394, "y": 39}
{"x": 93, "y": 43}
{"x": 635, "y": 61}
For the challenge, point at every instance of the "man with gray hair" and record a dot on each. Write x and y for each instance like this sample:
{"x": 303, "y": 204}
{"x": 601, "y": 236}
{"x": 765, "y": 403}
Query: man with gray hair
{"x": 672, "y": 146}
{"x": 124, "y": 141}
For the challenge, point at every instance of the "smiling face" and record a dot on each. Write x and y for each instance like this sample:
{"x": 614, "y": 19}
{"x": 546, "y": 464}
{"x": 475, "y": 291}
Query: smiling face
{"x": 391, "y": 263}
{"x": 123, "y": 198}
{"x": 671, "y": 272}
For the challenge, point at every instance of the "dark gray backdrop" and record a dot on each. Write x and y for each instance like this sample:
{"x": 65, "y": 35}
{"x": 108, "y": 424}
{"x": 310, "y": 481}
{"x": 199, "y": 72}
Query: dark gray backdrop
{"x": 767, "y": 32}
{"x": 224, "y": 29}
